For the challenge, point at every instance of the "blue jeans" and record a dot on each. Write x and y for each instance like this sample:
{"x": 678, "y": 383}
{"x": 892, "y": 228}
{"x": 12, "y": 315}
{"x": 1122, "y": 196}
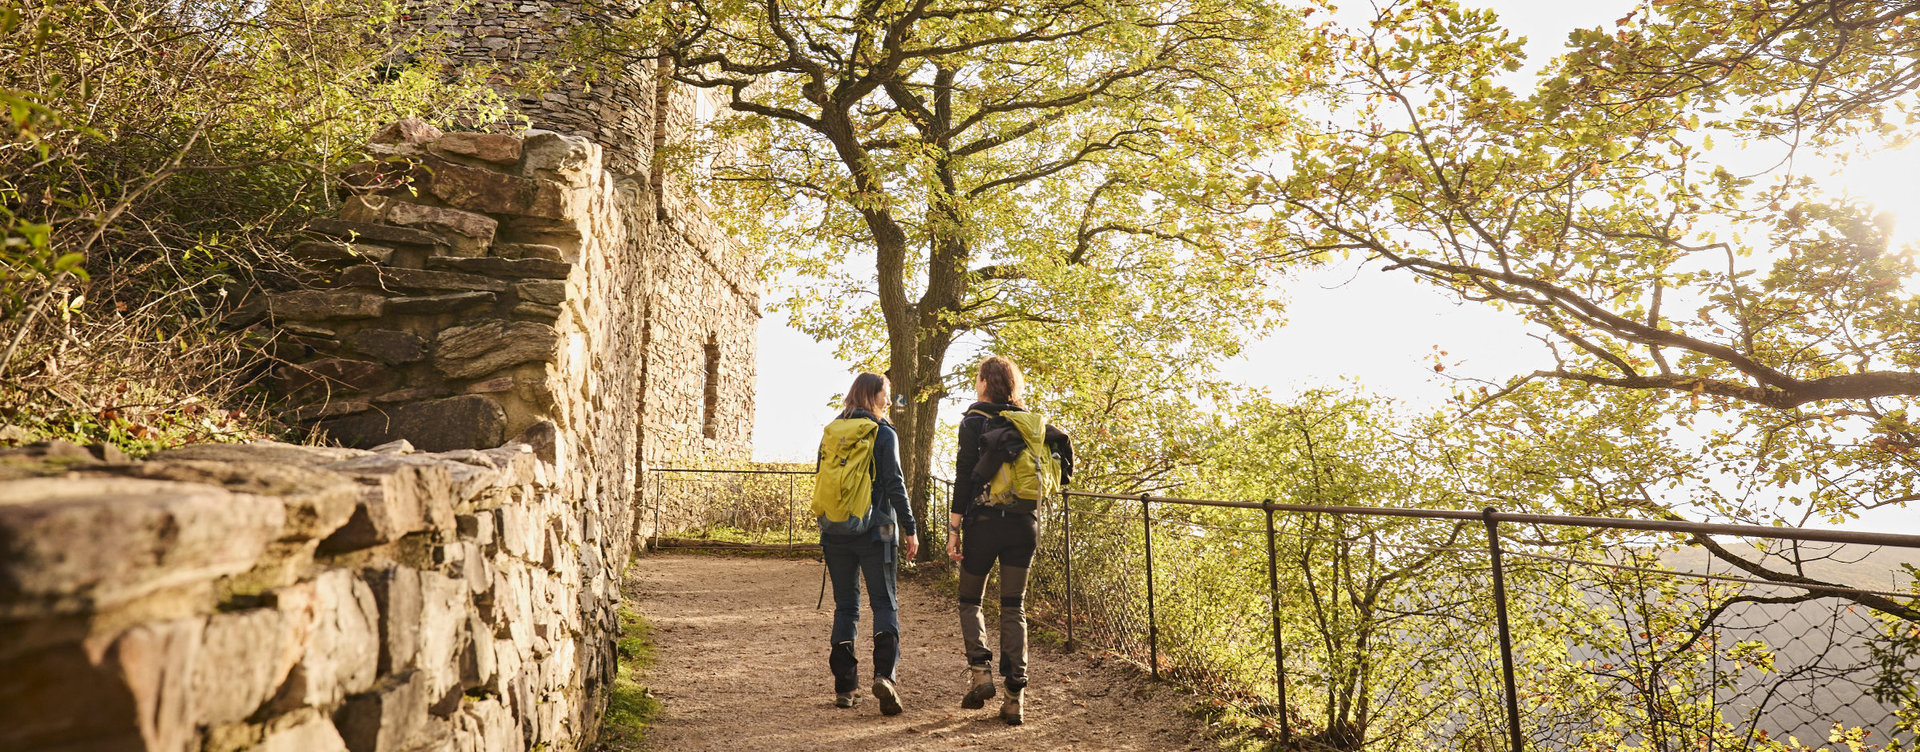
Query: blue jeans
{"x": 846, "y": 563}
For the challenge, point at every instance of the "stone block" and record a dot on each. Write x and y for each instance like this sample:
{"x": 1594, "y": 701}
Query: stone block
{"x": 387, "y": 278}
{"x": 387, "y": 345}
{"x": 491, "y": 386}
{"x": 536, "y": 312}
{"x": 397, "y": 591}
{"x": 477, "y": 661}
{"x": 263, "y": 452}
{"x": 443, "y": 632}
{"x": 476, "y": 527}
{"x": 528, "y": 251}
{"x": 344, "y": 654}
{"x": 333, "y": 376}
{"x": 406, "y": 132}
{"x": 58, "y": 698}
{"x": 399, "y": 497}
{"x": 389, "y": 719}
{"x": 568, "y": 160}
{"x": 489, "y": 147}
{"x": 542, "y": 291}
{"x": 72, "y": 545}
{"x": 506, "y": 665}
{"x": 329, "y": 409}
{"x": 503, "y": 267}
{"x": 464, "y": 233}
{"x": 312, "y": 734}
{"x": 338, "y": 251}
{"x": 463, "y": 422}
{"x": 378, "y": 233}
{"x": 367, "y": 208}
{"x": 322, "y": 305}
{"x": 492, "y": 192}
{"x": 480, "y": 349}
{"x": 397, "y": 446}
{"x": 238, "y": 666}
{"x": 155, "y": 660}
{"x": 487, "y": 726}
{"x": 449, "y": 303}
{"x": 410, "y": 394}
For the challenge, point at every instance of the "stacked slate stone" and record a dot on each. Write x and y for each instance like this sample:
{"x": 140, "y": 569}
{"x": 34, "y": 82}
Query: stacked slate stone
{"x": 445, "y": 277}
{"x": 299, "y": 599}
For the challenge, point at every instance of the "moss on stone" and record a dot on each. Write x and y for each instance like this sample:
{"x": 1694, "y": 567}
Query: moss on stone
{"x": 631, "y": 707}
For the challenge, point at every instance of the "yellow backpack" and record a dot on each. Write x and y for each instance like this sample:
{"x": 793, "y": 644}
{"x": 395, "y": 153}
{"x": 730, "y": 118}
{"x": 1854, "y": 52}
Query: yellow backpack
{"x": 843, "y": 480}
{"x": 1033, "y": 476}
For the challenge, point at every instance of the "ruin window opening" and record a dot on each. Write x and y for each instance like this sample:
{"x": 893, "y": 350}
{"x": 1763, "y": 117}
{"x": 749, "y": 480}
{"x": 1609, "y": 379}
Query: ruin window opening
{"x": 712, "y": 410}
{"x": 662, "y": 99}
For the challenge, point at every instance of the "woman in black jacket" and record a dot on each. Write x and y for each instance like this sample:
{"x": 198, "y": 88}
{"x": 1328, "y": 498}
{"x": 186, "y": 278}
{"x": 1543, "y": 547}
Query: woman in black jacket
{"x": 871, "y": 556}
{"x": 978, "y": 536}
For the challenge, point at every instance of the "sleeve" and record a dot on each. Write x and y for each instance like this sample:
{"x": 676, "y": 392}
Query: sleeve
{"x": 965, "y": 490}
{"x": 888, "y": 481}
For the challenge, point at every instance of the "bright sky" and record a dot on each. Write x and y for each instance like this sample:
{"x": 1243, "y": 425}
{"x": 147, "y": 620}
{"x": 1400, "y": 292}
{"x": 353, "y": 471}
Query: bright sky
{"x": 1344, "y": 325}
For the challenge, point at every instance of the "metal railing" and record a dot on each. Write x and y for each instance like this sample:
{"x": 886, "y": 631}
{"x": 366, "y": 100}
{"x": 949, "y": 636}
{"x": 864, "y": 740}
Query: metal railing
{"x": 753, "y": 506}
{"x": 1337, "y": 627}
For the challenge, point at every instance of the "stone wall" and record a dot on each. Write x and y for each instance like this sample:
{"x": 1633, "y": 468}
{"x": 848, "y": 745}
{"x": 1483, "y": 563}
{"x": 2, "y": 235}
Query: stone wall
{"x": 279, "y": 597}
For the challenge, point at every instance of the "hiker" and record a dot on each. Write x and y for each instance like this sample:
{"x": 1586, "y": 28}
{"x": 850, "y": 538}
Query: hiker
{"x": 1009, "y": 460}
{"x": 860, "y": 499}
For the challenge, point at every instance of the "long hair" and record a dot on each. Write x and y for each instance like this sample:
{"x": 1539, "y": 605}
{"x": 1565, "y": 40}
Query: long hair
{"x": 1002, "y": 382}
{"x": 867, "y": 393}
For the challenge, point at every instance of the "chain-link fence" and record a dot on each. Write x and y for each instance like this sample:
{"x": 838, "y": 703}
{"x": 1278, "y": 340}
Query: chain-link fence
{"x": 1356, "y": 628}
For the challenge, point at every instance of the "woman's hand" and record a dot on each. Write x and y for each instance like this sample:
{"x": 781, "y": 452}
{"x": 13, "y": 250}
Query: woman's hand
{"x": 954, "y": 522}
{"x": 910, "y": 546}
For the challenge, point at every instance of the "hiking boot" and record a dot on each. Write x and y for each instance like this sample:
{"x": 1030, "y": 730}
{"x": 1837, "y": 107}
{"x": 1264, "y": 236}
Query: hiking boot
{"x": 845, "y": 700}
{"x": 888, "y": 696}
{"x": 980, "y": 690}
{"x": 1010, "y": 710}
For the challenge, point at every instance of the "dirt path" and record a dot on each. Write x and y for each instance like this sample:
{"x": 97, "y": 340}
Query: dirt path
{"x": 742, "y": 665}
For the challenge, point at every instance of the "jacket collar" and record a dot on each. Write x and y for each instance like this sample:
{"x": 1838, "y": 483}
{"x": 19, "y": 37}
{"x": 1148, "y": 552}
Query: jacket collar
{"x": 867, "y": 415}
{"x": 992, "y": 408}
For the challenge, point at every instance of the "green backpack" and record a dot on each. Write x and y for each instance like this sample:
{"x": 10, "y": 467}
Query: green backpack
{"x": 843, "y": 480}
{"x": 1031, "y": 477}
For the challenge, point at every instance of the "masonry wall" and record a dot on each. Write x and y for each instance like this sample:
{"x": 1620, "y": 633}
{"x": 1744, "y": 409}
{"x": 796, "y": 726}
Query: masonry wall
{"x": 306, "y": 599}
{"x": 702, "y": 288}
{"x": 503, "y": 330}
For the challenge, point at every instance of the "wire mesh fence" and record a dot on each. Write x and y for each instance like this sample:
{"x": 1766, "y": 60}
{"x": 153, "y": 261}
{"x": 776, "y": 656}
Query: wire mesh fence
{"x": 1349, "y": 630}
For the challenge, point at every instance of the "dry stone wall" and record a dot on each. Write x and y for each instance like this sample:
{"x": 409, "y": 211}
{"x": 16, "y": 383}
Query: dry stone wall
{"x": 279, "y": 597}
{"x": 425, "y": 587}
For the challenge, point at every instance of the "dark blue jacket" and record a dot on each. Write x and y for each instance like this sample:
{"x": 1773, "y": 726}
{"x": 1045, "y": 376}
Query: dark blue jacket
{"x": 889, "y": 483}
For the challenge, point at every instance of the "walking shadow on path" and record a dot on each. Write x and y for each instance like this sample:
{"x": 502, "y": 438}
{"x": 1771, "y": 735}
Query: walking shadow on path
{"x": 741, "y": 664}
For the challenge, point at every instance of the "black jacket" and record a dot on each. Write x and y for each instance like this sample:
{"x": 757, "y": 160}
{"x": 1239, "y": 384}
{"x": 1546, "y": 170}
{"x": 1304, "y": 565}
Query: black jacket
{"x": 976, "y": 463}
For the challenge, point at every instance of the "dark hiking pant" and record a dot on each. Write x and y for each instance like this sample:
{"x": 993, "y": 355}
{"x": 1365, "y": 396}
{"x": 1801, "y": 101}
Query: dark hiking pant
{"x": 1008, "y": 539}
{"x": 847, "y": 565}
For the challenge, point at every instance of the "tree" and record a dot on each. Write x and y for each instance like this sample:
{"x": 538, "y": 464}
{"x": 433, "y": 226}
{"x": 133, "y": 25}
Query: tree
{"x": 1597, "y": 208}
{"x": 940, "y": 168}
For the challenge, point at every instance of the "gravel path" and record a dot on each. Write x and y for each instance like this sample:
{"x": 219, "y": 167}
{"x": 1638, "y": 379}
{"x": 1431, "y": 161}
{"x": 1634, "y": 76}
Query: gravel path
{"x": 742, "y": 665}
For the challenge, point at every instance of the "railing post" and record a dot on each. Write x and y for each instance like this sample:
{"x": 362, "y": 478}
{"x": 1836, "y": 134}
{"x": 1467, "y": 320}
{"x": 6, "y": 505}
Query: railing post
{"x": 790, "y": 513}
{"x": 1066, "y": 531}
{"x": 1153, "y": 623}
{"x": 1506, "y": 633}
{"x": 1279, "y": 647}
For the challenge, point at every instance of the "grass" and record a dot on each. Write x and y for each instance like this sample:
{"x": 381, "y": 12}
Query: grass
{"x": 631, "y": 707}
